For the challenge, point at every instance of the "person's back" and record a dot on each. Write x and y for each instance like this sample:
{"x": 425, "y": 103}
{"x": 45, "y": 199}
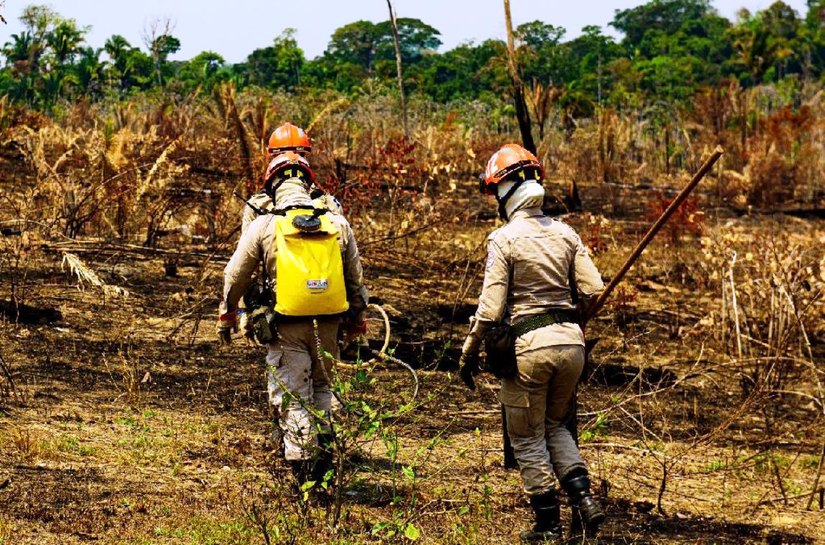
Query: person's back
{"x": 297, "y": 371}
{"x": 543, "y": 251}
{"x": 534, "y": 257}
{"x": 258, "y": 244}
{"x": 536, "y": 270}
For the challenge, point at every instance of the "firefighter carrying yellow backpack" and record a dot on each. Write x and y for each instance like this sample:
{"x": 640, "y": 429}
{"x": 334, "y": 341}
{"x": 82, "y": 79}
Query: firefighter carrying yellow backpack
{"x": 309, "y": 270}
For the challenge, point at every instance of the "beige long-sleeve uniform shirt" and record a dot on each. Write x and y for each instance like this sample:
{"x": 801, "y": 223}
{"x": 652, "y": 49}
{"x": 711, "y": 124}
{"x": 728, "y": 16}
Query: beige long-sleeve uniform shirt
{"x": 257, "y": 245}
{"x": 529, "y": 261}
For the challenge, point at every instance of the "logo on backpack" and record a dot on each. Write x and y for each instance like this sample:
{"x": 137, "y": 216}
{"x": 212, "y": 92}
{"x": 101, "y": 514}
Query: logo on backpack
{"x": 317, "y": 285}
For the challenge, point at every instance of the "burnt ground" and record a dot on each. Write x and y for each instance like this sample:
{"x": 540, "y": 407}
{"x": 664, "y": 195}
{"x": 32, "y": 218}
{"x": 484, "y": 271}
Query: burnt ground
{"x": 123, "y": 421}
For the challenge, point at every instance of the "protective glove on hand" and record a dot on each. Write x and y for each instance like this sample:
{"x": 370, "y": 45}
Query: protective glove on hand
{"x": 227, "y": 323}
{"x": 355, "y": 327}
{"x": 468, "y": 369}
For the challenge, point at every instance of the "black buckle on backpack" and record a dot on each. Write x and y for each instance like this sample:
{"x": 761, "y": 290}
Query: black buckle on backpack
{"x": 306, "y": 223}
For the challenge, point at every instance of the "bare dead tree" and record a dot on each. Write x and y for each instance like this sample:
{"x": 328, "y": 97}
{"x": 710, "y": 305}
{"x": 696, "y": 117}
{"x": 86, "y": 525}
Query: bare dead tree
{"x": 522, "y": 113}
{"x": 398, "y": 67}
{"x": 158, "y": 39}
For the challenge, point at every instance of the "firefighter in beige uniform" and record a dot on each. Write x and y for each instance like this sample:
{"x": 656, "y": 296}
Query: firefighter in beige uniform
{"x": 295, "y": 366}
{"x": 527, "y": 272}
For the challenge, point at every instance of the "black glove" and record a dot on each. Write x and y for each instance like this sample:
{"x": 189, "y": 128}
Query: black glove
{"x": 468, "y": 369}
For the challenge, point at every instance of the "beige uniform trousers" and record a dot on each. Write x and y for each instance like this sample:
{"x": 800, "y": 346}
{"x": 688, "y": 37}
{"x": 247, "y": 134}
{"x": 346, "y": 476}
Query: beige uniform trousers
{"x": 538, "y": 402}
{"x": 298, "y": 383}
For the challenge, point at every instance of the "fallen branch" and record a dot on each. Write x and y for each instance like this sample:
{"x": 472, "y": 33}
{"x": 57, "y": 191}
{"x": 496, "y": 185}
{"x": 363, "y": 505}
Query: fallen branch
{"x": 85, "y": 274}
{"x": 477, "y": 412}
{"x": 398, "y": 236}
{"x": 774, "y": 500}
{"x": 81, "y": 246}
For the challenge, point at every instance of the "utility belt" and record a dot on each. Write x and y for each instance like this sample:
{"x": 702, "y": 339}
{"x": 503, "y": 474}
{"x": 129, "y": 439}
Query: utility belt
{"x": 537, "y": 321}
{"x": 260, "y": 320}
{"x": 284, "y": 319}
{"x": 500, "y": 341}
{"x": 262, "y": 323}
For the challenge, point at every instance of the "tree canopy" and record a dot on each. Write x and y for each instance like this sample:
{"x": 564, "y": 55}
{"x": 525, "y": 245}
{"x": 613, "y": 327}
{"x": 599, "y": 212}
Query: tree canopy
{"x": 669, "y": 49}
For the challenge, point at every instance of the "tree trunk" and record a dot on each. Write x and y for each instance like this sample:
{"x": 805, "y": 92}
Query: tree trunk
{"x": 398, "y": 68}
{"x": 522, "y": 114}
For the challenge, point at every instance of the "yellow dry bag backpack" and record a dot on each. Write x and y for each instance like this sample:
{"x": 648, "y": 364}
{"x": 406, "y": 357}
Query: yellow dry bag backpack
{"x": 309, "y": 270}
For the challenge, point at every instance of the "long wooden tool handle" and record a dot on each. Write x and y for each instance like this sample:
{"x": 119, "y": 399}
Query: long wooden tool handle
{"x": 704, "y": 169}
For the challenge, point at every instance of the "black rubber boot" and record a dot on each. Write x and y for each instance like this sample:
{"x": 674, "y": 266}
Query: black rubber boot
{"x": 587, "y": 514}
{"x": 547, "y": 528}
{"x": 301, "y": 470}
{"x": 323, "y": 459}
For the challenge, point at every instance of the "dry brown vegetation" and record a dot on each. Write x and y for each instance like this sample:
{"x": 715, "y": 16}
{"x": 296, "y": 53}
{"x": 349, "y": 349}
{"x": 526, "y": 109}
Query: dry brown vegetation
{"x": 122, "y": 421}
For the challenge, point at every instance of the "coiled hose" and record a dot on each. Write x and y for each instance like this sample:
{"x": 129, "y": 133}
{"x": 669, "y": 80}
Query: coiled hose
{"x": 378, "y": 355}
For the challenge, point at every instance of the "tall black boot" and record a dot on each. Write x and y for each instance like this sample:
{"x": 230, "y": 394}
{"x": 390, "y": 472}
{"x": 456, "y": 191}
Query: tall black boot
{"x": 322, "y": 462}
{"x": 547, "y": 528}
{"x": 586, "y": 512}
{"x": 301, "y": 470}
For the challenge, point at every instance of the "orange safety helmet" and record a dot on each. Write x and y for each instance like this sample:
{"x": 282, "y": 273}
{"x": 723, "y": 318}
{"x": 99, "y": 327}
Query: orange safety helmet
{"x": 511, "y": 162}
{"x": 288, "y": 137}
{"x": 284, "y": 166}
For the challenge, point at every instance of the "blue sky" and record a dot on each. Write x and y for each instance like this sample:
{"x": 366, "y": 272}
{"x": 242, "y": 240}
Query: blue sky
{"x": 235, "y": 29}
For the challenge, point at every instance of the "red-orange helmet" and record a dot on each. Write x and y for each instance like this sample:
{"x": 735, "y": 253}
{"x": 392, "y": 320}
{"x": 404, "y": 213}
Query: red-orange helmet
{"x": 284, "y": 166}
{"x": 511, "y": 162}
{"x": 288, "y": 137}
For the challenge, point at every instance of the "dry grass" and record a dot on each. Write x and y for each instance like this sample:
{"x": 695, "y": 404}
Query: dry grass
{"x": 85, "y": 275}
{"x": 135, "y": 428}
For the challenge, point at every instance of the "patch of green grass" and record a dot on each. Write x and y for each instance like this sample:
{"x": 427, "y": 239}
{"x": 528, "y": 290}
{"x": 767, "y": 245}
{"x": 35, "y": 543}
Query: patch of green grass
{"x": 715, "y": 465}
{"x": 72, "y": 445}
{"x": 125, "y": 421}
{"x": 809, "y": 461}
{"x": 208, "y": 531}
{"x": 794, "y": 488}
{"x": 782, "y": 461}
{"x": 150, "y": 437}
{"x": 161, "y": 510}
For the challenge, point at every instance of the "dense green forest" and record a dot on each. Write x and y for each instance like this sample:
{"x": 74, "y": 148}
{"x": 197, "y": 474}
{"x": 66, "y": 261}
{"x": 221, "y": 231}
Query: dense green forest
{"x": 669, "y": 49}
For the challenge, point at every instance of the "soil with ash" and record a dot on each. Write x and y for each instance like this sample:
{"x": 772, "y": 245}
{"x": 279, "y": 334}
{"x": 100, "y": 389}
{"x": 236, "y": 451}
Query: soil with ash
{"x": 123, "y": 421}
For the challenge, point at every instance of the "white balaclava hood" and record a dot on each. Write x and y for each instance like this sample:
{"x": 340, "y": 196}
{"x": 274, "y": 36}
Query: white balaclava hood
{"x": 292, "y": 192}
{"x": 530, "y": 194}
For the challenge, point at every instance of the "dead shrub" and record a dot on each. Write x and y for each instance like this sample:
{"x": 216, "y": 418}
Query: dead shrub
{"x": 688, "y": 219}
{"x": 28, "y": 445}
{"x": 770, "y": 304}
{"x": 782, "y": 157}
